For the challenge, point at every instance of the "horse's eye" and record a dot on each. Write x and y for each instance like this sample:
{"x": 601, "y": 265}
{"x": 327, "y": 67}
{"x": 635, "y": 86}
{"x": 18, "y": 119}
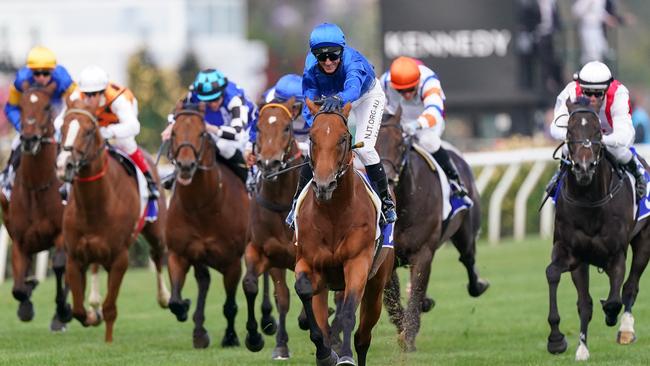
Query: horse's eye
{"x": 48, "y": 107}
{"x": 287, "y": 129}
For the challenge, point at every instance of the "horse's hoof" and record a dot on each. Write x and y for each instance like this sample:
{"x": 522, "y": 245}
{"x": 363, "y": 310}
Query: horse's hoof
{"x": 330, "y": 360}
{"x": 26, "y": 311}
{"x": 98, "y": 318}
{"x": 180, "y": 309}
{"x": 64, "y": 315}
{"x": 303, "y": 323}
{"x": 268, "y": 325}
{"x": 254, "y": 343}
{"x": 479, "y": 288}
{"x": 405, "y": 345}
{"x": 57, "y": 325}
{"x": 557, "y": 346}
{"x": 230, "y": 339}
{"x": 611, "y": 310}
{"x": 200, "y": 339}
{"x": 428, "y": 304}
{"x": 346, "y": 360}
{"x": 625, "y": 337}
{"x": 280, "y": 353}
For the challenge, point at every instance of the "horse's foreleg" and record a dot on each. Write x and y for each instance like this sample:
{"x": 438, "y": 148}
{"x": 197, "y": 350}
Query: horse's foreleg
{"x": 177, "y": 267}
{"x": 254, "y": 266}
{"x": 465, "y": 243}
{"x": 616, "y": 272}
{"x": 393, "y": 301}
{"x": 356, "y": 275}
{"x": 337, "y": 327}
{"x": 200, "y": 336}
{"x": 640, "y": 256}
{"x": 556, "y": 340}
{"x": 230, "y": 281}
{"x": 420, "y": 271}
{"x": 305, "y": 290}
{"x": 63, "y": 312}
{"x": 94, "y": 297}
{"x": 267, "y": 323}
{"x": 281, "y": 351}
{"x": 75, "y": 275}
{"x": 157, "y": 253}
{"x": 580, "y": 278}
{"x": 22, "y": 289}
{"x": 115, "y": 276}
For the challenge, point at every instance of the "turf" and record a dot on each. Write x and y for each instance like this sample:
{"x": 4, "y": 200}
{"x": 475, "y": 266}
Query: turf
{"x": 506, "y": 326}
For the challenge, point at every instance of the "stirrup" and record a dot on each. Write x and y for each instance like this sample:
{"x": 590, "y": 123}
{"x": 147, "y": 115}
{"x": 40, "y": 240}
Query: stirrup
{"x": 153, "y": 191}
{"x": 167, "y": 182}
{"x": 458, "y": 188}
{"x": 389, "y": 216}
{"x": 289, "y": 220}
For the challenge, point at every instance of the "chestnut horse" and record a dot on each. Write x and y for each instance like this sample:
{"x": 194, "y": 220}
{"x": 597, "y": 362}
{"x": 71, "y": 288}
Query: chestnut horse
{"x": 207, "y": 222}
{"x": 102, "y": 217}
{"x": 335, "y": 250}
{"x": 33, "y": 216}
{"x": 594, "y": 223}
{"x": 271, "y": 247}
{"x": 420, "y": 228}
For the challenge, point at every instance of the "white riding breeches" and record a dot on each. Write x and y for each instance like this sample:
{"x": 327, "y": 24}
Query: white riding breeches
{"x": 366, "y": 114}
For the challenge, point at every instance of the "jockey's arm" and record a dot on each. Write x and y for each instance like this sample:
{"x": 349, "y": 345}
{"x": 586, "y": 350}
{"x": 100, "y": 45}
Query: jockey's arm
{"x": 558, "y": 128}
{"x": 126, "y": 112}
{"x": 623, "y": 129}
{"x": 12, "y": 110}
{"x": 433, "y": 101}
{"x": 236, "y": 131}
{"x": 352, "y": 85}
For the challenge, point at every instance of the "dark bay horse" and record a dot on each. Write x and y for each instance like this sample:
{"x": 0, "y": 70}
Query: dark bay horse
{"x": 271, "y": 247}
{"x": 102, "y": 217}
{"x": 207, "y": 222}
{"x": 33, "y": 216}
{"x": 594, "y": 223}
{"x": 336, "y": 243}
{"x": 420, "y": 228}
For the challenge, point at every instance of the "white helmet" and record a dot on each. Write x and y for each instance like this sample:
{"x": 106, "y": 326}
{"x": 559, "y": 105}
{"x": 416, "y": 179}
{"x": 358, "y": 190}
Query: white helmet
{"x": 594, "y": 75}
{"x": 93, "y": 79}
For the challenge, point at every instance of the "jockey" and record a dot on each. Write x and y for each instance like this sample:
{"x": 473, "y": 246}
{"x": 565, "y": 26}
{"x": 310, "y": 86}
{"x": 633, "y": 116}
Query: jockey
{"x": 611, "y": 100}
{"x": 288, "y": 86}
{"x": 41, "y": 69}
{"x": 116, "y": 109}
{"x": 339, "y": 74}
{"x": 228, "y": 112}
{"x": 417, "y": 90}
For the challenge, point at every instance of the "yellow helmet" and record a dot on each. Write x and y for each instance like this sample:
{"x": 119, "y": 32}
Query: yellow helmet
{"x": 41, "y": 58}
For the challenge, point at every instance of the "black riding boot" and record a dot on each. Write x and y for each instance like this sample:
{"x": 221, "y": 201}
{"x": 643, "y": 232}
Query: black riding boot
{"x": 551, "y": 187}
{"x": 306, "y": 175}
{"x": 151, "y": 185}
{"x": 380, "y": 184}
{"x": 640, "y": 184}
{"x": 167, "y": 181}
{"x": 238, "y": 166}
{"x": 448, "y": 166}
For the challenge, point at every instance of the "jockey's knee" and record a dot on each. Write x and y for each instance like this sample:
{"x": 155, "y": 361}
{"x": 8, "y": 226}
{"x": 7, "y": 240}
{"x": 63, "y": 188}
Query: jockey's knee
{"x": 227, "y": 149}
{"x": 429, "y": 140}
{"x": 128, "y": 145}
{"x": 622, "y": 154}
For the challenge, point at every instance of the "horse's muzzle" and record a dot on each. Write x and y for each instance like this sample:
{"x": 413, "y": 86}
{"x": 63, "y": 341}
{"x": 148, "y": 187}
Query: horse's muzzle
{"x": 185, "y": 172}
{"x": 584, "y": 173}
{"x": 324, "y": 191}
{"x": 268, "y": 167}
{"x": 30, "y": 145}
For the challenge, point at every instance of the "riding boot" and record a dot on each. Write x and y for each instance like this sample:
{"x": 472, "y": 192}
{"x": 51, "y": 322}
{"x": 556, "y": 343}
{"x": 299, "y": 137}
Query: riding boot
{"x": 380, "y": 184}
{"x": 151, "y": 185}
{"x": 9, "y": 173}
{"x": 238, "y": 165}
{"x": 306, "y": 175}
{"x": 63, "y": 191}
{"x": 551, "y": 187}
{"x": 167, "y": 181}
{"x": 251, "y": 179}
{"x": 640, "y": 181}
{"x": 448, "y": 166}
{"x": 138, "y": 158}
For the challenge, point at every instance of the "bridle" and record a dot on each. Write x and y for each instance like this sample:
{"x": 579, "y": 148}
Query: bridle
{"x": 342, "y": 165}
{"x": 585, "y": 143}
{"x": 35, "y": 141}
{"x": 85, "y": 158}
{"x": 172, "y": 154}
{"x": 405, "y": 146}
{"x": 287, "y": 158}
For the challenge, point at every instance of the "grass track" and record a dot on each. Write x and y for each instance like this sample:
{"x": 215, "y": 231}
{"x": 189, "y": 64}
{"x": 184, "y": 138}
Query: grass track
{"x": 506, "y": 326}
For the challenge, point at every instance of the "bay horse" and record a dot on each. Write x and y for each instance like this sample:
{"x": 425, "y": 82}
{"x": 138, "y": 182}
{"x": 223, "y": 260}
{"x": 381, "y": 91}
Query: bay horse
{"x": 102, "y": 217}
{"x": 594, "y": 223}
{"x": 207, "y": 222}
{"x": 335, "y": 248}
{"x": 420, "y": 228}
{"x": 271, "y": 247}
{"x": 33, "y": 216}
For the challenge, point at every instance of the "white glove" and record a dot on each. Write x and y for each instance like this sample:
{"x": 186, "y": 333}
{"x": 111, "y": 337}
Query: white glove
{"x": 410, "y": 128}
{"x": 106, "y": 133}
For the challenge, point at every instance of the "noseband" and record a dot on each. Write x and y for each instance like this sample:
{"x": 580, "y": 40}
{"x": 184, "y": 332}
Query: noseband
{"x": 35, "y": 141}
{"x": 286, "y": 159}
{"x": 405, "y": 146}
{"x": 198, "y": 154}
{"x": 84, "y": 159}
{"x": 342, "y": 165}
{"x": 586, "y": 143}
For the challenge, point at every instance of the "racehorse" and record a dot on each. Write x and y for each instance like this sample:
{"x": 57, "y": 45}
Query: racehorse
{"x": 335, "y": 249}
{"x": 102, "y": 217}
{"x": 271, "y": 247}
{"x": 594, "y": 222}
{"x": 33, "y": 216}
{"x": 420, "y": 228}
{"x": 207, "y": 222}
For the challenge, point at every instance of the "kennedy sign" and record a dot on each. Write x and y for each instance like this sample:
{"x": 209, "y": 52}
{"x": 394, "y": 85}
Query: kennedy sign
{"x": 470, "y": 44}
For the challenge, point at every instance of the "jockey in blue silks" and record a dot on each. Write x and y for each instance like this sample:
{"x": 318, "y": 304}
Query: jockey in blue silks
{"x": 338, "y": 74}
{"x": 228, "y": 113}
{"x": 41, "y": 69}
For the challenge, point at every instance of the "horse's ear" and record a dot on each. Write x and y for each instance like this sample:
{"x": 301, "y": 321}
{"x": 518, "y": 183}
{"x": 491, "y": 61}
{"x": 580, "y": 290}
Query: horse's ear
{"x": 346, "y": 109}
{"x": 50, "y": 88}
{"x": 179, "y": 105}
{"x": 68, "y": 101}
{"x": 24, "y": 86}
{"x": 398, "y": 113}
{"x": 313, "y": 108}
{"x": 293, "y": 107}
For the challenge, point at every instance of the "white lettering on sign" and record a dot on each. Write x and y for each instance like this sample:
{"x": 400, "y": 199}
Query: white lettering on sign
{"x": 443, "y": 44}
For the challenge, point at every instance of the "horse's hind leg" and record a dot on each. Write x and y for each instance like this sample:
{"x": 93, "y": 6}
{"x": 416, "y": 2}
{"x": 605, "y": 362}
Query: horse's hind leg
{"x": 267, "y": 323}
{"x": 640, "y": 256}
{"x": 230, "y": 281}
{"x": 420, "y": 271}
{"x": 63, "y": 312}
{"x": 556, "y": 340}
{"x": 281, "y": 351}
{"x": 616, "y": 272}
{"x": 115, "y": 276}
{"x": 22, "y": 289}
{"x": 153, "y": 234}
{"x": 177, "y": 268}
{"x": 580, "y": 277}
{"x": 200, "y": 336}
{"x": 465, "y": 242}
{"x": 393, "y": 302}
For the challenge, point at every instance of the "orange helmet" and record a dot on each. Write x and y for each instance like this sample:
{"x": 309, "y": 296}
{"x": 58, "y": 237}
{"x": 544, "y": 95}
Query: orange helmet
{"x": 404, "y": 73}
